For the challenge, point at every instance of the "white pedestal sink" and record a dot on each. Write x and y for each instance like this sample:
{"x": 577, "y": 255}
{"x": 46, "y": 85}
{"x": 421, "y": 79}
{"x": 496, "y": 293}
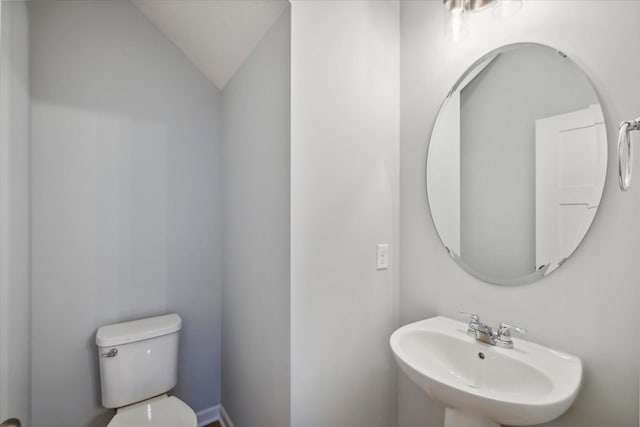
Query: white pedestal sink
{"x": 482, "y": 385}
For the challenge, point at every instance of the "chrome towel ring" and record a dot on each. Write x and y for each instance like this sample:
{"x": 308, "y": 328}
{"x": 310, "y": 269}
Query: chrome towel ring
{"x": 625, "y": 159}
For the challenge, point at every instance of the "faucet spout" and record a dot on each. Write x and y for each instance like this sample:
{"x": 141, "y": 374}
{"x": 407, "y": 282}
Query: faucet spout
{"x": 484, "y": 333}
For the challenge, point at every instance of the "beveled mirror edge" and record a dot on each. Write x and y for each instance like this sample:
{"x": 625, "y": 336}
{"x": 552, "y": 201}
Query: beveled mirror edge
{"x": 536, "y": 275}
{"x": 503, "y": 49}
{"x": 505, "y": 281}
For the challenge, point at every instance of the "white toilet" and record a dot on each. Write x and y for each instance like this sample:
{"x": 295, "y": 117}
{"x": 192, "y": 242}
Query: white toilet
{"x": 138, "y": 365}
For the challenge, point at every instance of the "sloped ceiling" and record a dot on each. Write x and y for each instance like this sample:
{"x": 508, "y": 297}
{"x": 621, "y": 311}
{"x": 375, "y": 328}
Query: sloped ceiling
{"x": 216, "y": 35}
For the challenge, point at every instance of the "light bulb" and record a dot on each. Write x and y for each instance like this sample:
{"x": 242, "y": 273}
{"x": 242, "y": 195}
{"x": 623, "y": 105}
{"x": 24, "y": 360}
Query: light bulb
{"x": 506, "y": 8}
{"x": 456, "y": 21}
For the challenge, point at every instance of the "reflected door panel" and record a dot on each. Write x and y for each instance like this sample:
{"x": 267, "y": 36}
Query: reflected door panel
{"x": 570, "y": 169}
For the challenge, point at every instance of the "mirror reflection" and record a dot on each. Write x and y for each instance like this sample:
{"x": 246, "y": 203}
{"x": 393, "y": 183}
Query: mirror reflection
{"x": 517, "y": 164}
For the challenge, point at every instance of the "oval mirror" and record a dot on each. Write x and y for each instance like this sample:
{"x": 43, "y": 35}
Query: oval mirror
{"x": 517, "y": 164}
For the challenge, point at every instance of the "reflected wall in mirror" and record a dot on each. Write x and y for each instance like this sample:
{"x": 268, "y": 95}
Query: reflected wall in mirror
{"x": 517, "y": 164}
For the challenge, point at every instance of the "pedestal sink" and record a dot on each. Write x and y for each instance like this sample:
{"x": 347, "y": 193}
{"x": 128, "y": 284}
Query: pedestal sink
{"x": 482, "y": 385}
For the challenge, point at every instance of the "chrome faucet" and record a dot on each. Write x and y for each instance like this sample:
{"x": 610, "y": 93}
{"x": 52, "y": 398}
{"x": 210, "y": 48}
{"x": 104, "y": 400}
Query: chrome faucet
{"x": 501, "y": 337}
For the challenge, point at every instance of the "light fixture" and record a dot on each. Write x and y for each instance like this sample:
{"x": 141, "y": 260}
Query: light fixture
{"x": 477, "y": 5}
{"x": 506, "y": 8}
{"x": 456, "y": 26}
{"x": 456, "y": 15}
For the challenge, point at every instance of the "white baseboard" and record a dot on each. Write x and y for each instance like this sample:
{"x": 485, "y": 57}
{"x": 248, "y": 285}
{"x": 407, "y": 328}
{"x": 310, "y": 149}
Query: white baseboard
{"x": 208, "y": 415}
{"x": 224, "y": 418}
{"x": 212, "y": 414}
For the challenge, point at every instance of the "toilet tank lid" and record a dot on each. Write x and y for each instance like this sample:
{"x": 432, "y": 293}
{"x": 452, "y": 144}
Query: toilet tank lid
{"x": 137, "y": 330}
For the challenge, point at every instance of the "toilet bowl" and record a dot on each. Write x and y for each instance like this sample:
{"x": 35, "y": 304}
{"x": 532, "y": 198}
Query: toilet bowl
{"x": 138, "y": 366}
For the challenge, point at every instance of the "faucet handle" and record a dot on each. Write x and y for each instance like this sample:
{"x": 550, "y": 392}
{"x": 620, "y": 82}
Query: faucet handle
{"x": 474, "y": 323}
{"x": 503, "y": 335}
{"x": 504, "y": 329}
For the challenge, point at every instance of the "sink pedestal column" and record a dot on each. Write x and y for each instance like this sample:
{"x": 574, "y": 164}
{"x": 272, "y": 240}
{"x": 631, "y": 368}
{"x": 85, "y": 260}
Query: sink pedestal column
{"x": 456, "y": 418}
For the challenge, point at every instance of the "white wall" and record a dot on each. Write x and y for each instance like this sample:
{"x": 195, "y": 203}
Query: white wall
{"x": 344, "y": 201}
{"x": 256, "y": 255}
{"x": 595, "y": 293}
{"x": 126, "y": 201}
{"x": 14, "y": 217}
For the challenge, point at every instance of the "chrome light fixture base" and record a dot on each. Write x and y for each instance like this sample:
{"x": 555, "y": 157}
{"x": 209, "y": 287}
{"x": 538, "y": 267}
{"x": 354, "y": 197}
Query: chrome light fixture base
{"x": 456, "y": 14}
{"x": 468, "y": 5}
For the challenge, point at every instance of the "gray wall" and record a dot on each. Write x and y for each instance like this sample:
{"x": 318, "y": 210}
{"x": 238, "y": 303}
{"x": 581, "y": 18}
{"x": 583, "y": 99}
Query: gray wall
{"x": 256, "y": 249}
{"x": 14, "y": 221}
{"x": 344, "y": 201}
{"x": 126, "y": 201}
{"x": 498, "y": 111}
{"x": 597, "y": 287}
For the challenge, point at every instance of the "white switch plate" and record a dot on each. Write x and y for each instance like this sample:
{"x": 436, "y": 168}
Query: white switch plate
{"x": 383, "y": 257}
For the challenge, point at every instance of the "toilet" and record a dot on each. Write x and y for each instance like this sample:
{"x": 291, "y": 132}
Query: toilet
{"x": 138, "y": 366}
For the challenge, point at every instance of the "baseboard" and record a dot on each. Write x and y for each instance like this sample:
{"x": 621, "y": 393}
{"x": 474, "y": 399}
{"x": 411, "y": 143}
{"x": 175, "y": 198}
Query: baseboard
{"x": 213, "y": 414}
{"x": 224, "y": 418}
{"x": 208, "y": 415}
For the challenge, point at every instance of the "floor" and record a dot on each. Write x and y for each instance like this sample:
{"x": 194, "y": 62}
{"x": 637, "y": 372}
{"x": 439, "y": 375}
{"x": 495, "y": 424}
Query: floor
{"x": 216, "y": 424}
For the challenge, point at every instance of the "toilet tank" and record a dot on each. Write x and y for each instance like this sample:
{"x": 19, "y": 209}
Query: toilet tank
{"x": 138, "y": 359}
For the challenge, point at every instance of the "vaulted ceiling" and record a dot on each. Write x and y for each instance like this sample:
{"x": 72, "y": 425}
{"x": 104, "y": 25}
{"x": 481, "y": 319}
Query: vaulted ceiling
{"x": 216, "y": 35}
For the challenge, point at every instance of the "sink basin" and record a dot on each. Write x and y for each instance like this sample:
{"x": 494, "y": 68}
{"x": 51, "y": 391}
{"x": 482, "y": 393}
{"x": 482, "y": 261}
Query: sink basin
{"x": 484, "y": 385}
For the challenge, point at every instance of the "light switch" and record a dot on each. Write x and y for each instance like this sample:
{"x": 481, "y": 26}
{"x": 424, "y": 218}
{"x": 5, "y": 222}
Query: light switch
{"x": 383, "y": 257}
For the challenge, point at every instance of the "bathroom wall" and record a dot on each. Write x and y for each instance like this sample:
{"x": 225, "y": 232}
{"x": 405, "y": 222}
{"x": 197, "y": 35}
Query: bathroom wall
{"x": 595, "y": 293}
{"x": 126, "y": 144}
{"x": 256, "y": 242}
{"x": 506, "y": 194}
{"x": 344, "y": 201}
{"x": 14, "y": 221}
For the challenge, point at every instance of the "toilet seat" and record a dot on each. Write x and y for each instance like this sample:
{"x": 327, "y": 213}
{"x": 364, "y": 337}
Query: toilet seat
{"x": 161, "y": 411}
